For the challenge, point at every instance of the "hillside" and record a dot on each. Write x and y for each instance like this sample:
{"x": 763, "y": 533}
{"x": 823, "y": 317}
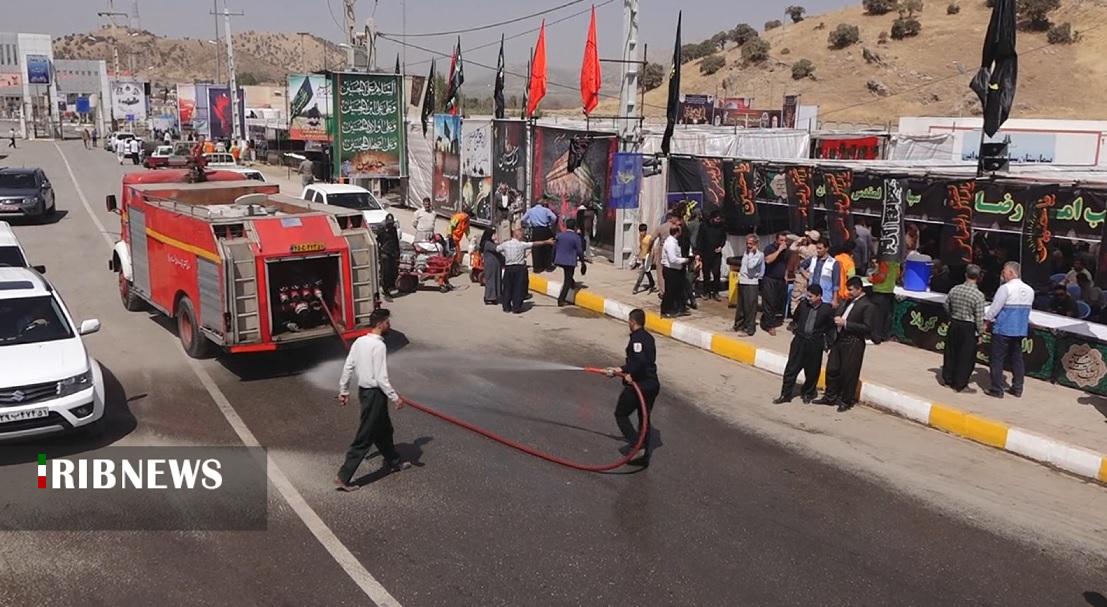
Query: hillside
{"x": 261, "y": 57}
{"x": 920, "y": 76}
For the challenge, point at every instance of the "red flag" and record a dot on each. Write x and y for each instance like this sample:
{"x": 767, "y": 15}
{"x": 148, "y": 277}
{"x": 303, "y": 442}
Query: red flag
{"x": 537, "y": 88}
{"x": 590, "y": 79}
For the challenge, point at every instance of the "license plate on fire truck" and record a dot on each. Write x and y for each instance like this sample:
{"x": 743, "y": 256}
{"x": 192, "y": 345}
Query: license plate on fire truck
{"x": 18, "y": 416}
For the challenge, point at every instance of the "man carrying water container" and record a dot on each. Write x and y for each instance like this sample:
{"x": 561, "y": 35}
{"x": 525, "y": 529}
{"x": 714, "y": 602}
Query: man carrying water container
{"x": 641, "y": 366}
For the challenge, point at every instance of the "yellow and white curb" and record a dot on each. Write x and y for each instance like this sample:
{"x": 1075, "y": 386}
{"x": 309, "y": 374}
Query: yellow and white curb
{"x": 1076, "y": 460}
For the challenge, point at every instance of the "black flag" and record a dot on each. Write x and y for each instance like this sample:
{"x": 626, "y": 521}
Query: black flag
{"x": 428, "y": 99}
{"x": 397, "y": 63}
{"x": 673, "y": 108}
{"x": 995, "y": 82}
{"x": 498, "y": 94}
{"x": 526, "y": 90}
{"x": 578, "y": 149}
{"x": 457, "y": 78}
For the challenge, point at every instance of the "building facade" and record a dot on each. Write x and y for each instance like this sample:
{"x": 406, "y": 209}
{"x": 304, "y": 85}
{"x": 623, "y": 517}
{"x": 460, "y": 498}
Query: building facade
{"x": 28, "y": 86}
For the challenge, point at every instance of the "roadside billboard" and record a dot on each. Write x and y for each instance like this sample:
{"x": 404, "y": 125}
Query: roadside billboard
{"x": 38, "y": 69}
{"x": 128, "y": 100}
{"x": 309, "y": 107}
{"x": 369, "y": 134}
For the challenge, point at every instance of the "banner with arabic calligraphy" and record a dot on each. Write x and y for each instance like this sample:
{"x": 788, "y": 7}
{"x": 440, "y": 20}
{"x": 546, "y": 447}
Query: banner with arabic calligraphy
{"x": 996, "y": 209}
{"x": 476, "y": 169}
{"x": 1082, "y": 364}
{"x": 740, "y": 212}
{"x": 867, "y": 194}
{"x": 891, "y": 222}
{"x": 835, "y": 189}
{"x": 926, "y": 324}
{"x": 446, "y": 187}
{"x": 926, "y": 201}
{"x": 586, "y": 185}
{"x": 1079, "y": 214}
{"x": 369, "y": 133}
{"x": 509, "y": 169}
{"x": 1039, "y": 203}
{"x": 626, "y": 180}
{"x": 800, "y": 184}
{"x": 309, "y": 107}
{"x": 957, "y": 234}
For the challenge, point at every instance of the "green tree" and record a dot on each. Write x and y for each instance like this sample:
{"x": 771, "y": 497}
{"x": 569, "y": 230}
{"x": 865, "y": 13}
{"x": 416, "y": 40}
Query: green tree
{"x": 843, "y": 36}
{"x": 652, "y": 76}
{"x": 802, "y": 69}
{"x": 712, "y": 64}
{"x": 772, "y": 25}
{"x": 1036, "y": 12}
{"x": 908, "y": 8}
{"x": 755, "y": 51}
{"x": 905, "y": 27}
{"x": 1061, "y": 34}
{"x": 953, "y": 8}
{"x": 795, "y": 12}
{"x": 878, "y": 7}
{"x": 720, "y": 39}
{"x": 743, "y": 33}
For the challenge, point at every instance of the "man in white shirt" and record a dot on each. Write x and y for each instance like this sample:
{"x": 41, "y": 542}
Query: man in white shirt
{"x": 1009, "y": 315}
{"x": 672, "y": 268}
{"x": 424, "y": 221}
{"x": 120, "y": 150}
{"x": 134, "y": 150}
{"x": 368, "y": 358}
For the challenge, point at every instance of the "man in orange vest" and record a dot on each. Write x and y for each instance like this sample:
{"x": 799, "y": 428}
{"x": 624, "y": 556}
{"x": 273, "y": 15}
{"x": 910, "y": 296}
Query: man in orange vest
{"x": 459, "y": 228}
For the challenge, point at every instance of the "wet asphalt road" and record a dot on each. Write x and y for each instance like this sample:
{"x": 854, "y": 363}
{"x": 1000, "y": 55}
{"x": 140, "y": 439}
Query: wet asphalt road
{"x": 722, "y": 517}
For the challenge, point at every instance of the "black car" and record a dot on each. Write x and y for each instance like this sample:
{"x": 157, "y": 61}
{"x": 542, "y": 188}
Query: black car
{"x": 25, "y": 192}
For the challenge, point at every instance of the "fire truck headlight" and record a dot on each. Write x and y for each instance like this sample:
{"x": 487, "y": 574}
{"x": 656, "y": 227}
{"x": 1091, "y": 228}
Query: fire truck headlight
{"x": 73, "y": 385}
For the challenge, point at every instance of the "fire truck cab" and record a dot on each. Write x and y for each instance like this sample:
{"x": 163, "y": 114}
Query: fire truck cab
{"x": 239, "y": 265}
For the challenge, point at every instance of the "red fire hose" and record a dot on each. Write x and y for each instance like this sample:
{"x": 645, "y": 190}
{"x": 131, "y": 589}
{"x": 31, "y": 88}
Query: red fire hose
{"x": 643, "y": 431}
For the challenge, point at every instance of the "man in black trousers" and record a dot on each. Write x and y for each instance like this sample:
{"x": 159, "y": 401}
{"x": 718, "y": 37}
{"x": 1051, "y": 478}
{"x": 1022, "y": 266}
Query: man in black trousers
{"x": 965, "y": 305}
{"x": 641, "y": 366}
{"x": 814, "y": 324}
{"x": 843, "y": 367}
{"x": 367, "y": 358}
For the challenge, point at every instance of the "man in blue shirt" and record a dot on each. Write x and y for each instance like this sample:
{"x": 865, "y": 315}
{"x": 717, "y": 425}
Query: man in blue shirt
{"x": 568, "y": 250}
{"x": 541, "y": 221}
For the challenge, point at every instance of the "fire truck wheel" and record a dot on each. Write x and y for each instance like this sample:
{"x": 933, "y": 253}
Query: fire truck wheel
{"x": 131, "y": 301}
{"x": 193, "y": 340}
{"x": 407, "y": 283}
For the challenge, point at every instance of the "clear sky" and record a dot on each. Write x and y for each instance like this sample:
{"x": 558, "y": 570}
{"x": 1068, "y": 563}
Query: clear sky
{"x": 565, "y": 40}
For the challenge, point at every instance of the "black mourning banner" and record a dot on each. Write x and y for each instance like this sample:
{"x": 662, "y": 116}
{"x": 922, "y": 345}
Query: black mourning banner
{"x": 957, "y": 233}
{"x": 1078, "y": 215}
{"x": 891, "y": 222}
{"x": 1039, "y": 203}
{"x": 714, "y": 185}
{"x": 926, "y": 201}
{"x": 867, "y": 194}
{"x": 742, "y": 190}
{"x": 837, "y": 187}
{"x": 800, "y": 184}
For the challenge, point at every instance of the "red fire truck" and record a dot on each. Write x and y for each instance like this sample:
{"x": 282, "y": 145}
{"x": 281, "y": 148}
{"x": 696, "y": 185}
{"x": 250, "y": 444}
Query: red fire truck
{"x": 239, "y": 265}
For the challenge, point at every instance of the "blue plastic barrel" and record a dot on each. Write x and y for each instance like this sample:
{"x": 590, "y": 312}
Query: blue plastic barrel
{"x": 916, "y": 275}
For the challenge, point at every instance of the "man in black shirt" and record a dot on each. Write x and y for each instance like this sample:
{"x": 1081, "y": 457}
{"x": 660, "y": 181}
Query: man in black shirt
{"x": 712, "y": 239}
{"x": 774, "y": 289}
{"x": 814, "y": 324}
{"x": 641, "y": 366}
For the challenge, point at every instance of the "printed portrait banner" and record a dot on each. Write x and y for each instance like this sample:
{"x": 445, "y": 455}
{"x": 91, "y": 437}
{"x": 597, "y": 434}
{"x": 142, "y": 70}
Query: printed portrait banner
{"x": 1039, "y": 203}
{"x": 626, "y": 180}
{"x": 446, "y": 189}
{"x": 891, "y": 222}
{"x": 586, "y": 185}
{"x": 369, "y": 134}
{"x": 128, "y": 100}
{"x": 683, "y": 203}
{"x": 509, "y": 169}
{"x": 836, "y": 187}
{"x": 957, "y": 234}
{"x": 476, "y": 194}
{"x": 1079, "y": 213}
{"x": 800, "y": 184}
{"x": 220, "y": 112}
{"x": 926, "y": 325}
{"x": 186, "y": 105}
{"x": 476, "y": 148}
{"x": 697, "y": 109}
{"x": 788, "y": 112}
{"x": 309, "y": 107}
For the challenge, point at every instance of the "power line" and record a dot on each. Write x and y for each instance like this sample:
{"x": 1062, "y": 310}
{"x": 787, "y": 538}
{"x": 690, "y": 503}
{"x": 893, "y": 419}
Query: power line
{"x": 524, "y": 33}
{"x": 490, "y": 25}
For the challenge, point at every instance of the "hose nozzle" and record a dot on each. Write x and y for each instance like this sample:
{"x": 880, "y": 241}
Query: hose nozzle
{"x": 601, "y": 371}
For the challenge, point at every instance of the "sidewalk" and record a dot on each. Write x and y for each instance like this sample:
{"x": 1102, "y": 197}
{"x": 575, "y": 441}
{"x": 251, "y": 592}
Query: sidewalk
{"x": 1050, "y": 423}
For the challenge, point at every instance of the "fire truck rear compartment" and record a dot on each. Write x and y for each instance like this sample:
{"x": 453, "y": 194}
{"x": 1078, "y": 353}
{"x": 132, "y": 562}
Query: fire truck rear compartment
{"x": 293, "y": 304}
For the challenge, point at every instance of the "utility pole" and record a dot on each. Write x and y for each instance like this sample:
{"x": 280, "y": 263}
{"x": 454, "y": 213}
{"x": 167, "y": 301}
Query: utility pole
{"x": 630, "y": 135}
{"x": 351, "y": 40}
{"x": 215, "y": 13}
{"x": 111, "y": 15}
{"x": 236, "y": 129}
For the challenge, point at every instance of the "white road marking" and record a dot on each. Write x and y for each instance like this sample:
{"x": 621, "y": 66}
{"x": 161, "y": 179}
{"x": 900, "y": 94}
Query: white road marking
{"x": 342, "y": 555}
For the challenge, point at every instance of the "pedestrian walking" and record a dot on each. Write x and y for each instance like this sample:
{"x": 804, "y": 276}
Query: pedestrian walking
{"x": 459, "y": 228}
{"x": 368, "y": 358}
{"x": 95, "y": 137}
{"x": 640, "y": 366}
{"x": 673, "y": 301}
{"x": 11, "y": 139}
{"x": 424, "y": 222}
{"x": 774, "y": 289}
{"x": 843, "y": 365}
{"x": 306, "y": 170}
{"x": 965, "y": 306}
{"x": 515, "y": 269}
{"x": 814, "y": 327}
{"x": 134, "y": 150}
{"x": 86, "y": 138}
{"x": 750, "y": 273}
{"x": 388, "y": 245}
{"x": 644, "y": 262}
{"x": 1010, "y": 318}
{"x": 493, "y": 268}
{"x": 712, "y": 239}
{"x": 540, "y": 221}
{"x": 586, "y": 223}
{"x": 120, "y": 149}
{"x": 568, "y": 251}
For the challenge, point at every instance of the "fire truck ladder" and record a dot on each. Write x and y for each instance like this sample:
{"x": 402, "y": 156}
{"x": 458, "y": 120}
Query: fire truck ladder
{"x": 363, "y": 269}
{"x": 244, "y": 288}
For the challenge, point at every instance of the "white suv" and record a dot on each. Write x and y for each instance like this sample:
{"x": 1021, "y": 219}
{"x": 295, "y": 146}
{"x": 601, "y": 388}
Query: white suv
{"x": 351, "y": 197}
{"x": 48, "y": 382}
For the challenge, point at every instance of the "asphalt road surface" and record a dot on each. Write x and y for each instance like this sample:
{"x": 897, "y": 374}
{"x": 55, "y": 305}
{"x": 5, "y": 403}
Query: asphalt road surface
{"x": 745, "y": 503}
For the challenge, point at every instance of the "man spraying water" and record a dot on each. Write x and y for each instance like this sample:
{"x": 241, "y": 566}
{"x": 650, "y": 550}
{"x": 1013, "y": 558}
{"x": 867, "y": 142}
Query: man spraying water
{"x": 641, "y": 367}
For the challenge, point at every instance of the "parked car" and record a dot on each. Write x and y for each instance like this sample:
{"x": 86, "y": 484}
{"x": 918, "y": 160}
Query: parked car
{"x": 165, "y": 156}
{"x": 351, "y": 197}
{"x": 50, "y": 383}
{"x": 12, "y": 254}
{"x": 109, "y": 141}
{"x": 26, "y": 192}
{"x": 220, "y": 160}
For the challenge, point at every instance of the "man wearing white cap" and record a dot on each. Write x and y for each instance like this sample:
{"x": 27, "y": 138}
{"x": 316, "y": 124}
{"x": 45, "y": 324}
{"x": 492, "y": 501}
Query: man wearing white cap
{"x": 802, "y": 249}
